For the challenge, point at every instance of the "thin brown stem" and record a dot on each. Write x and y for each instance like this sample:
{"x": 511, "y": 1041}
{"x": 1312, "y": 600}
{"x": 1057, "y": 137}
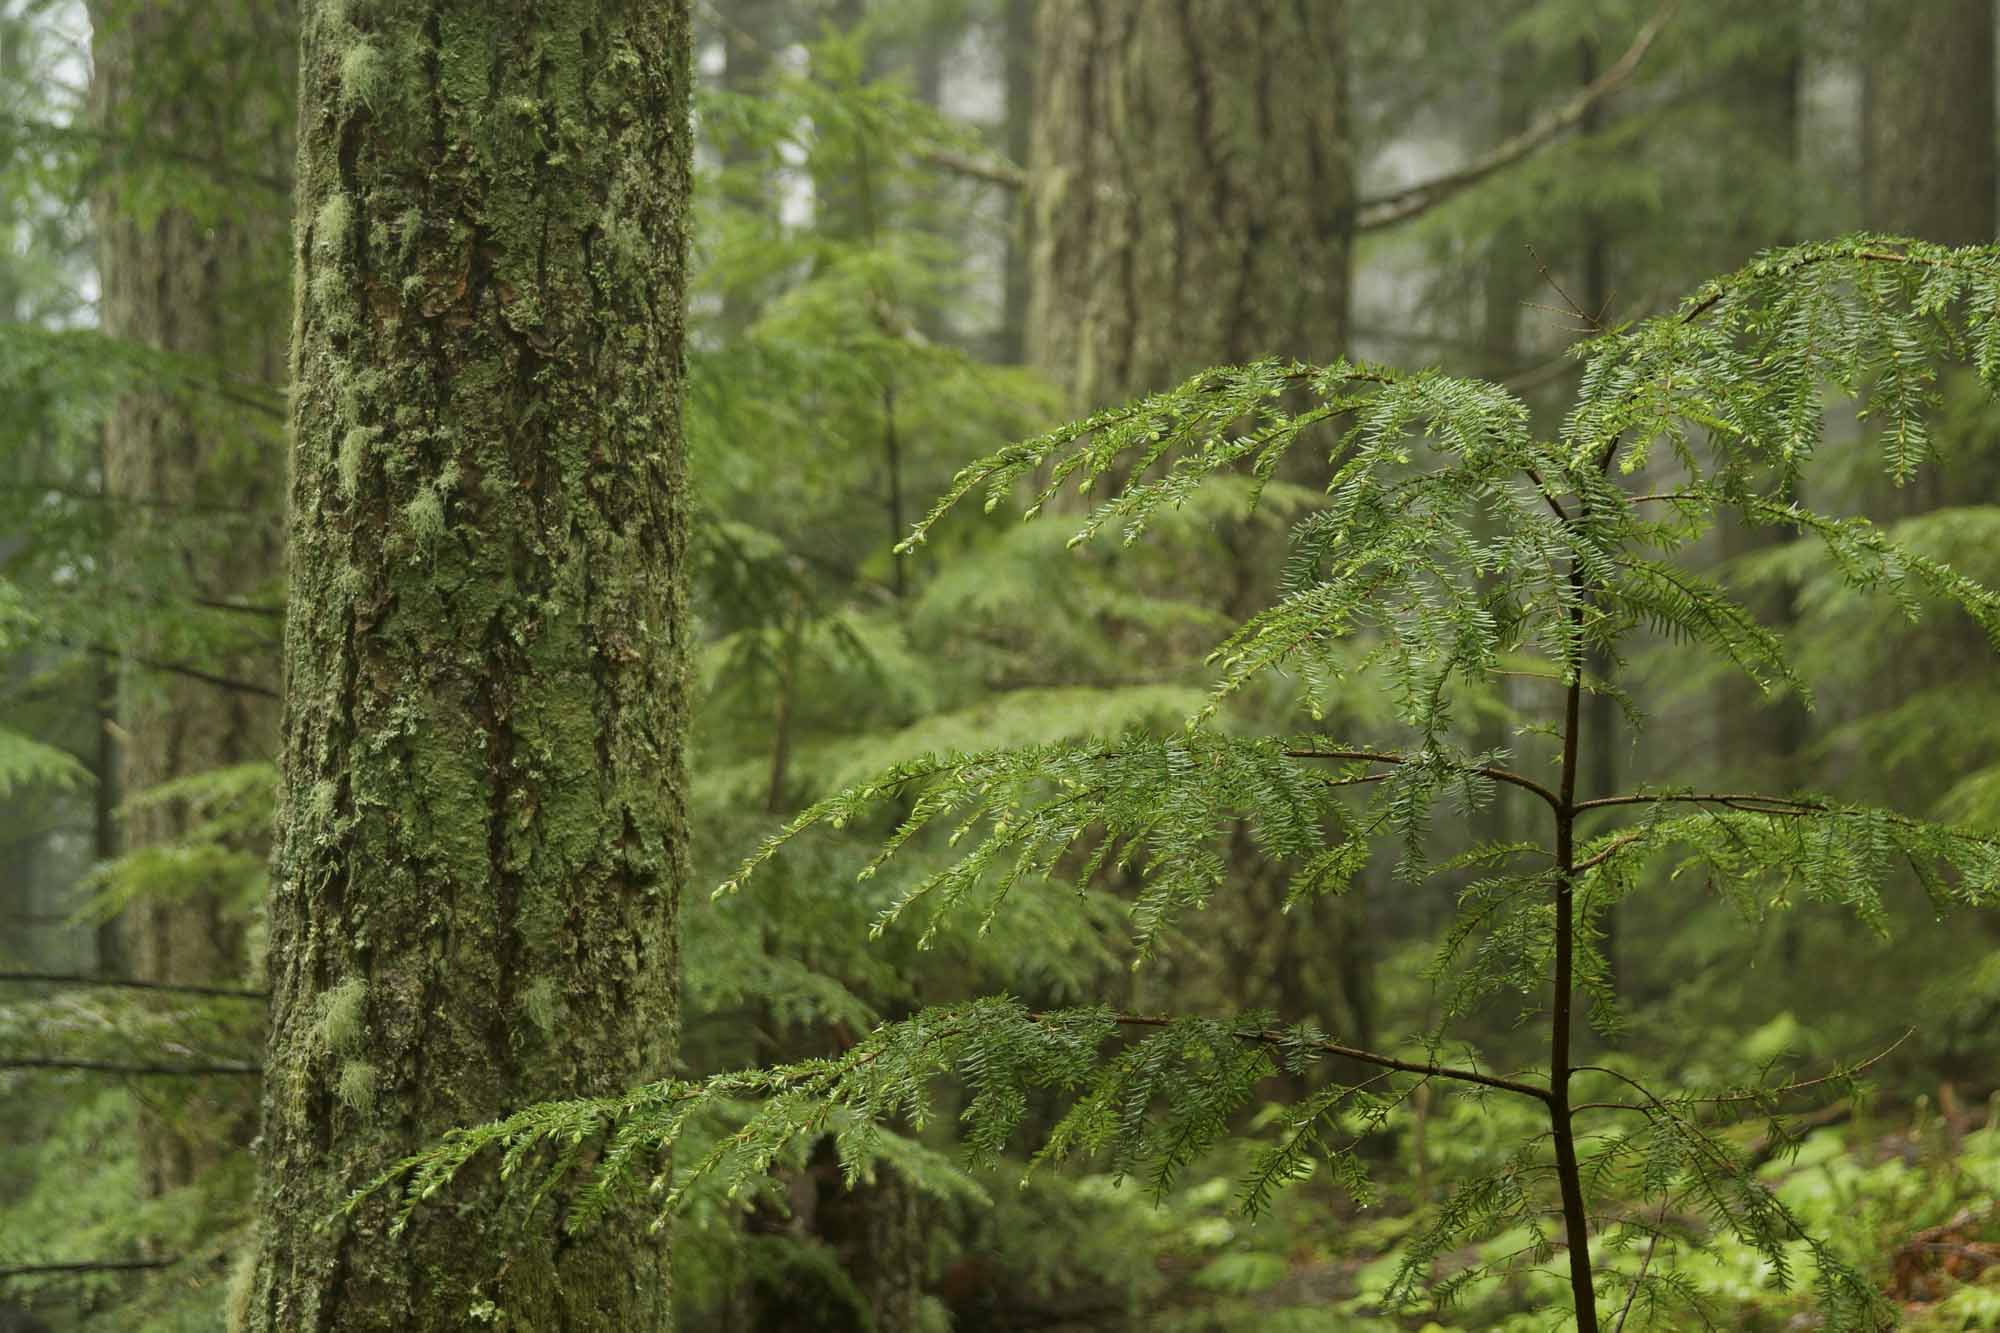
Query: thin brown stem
{"x": 1366, "y": 1057}
{"x": 1576, "y": 1217}
{"x": 1381, "y": 757}
{"x": 1702, "y": 307}
{"x": 1755, "y": 802}
{"x": 86, "y": 1266}
{"x": 1616, "y": 845}
{"x": 1755, "y": 1095}
{"x": 1652, "y": 1244}
{"x": 135, "y": 1067}
{"x": 130, "y": 983}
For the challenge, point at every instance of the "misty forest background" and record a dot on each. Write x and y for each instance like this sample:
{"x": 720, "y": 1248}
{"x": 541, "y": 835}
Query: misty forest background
{"x": 922, "y": 229}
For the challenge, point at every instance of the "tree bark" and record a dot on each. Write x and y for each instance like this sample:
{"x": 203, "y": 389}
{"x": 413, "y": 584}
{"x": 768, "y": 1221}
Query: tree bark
{"x": 188, "y": 270}
{"x": 484, "y": 802}
{"x": 1191, "y": 203}
{"x": 1191, "y": 192}
{"x": 1017, "y": 57}
{"x": 1928, "y": 140}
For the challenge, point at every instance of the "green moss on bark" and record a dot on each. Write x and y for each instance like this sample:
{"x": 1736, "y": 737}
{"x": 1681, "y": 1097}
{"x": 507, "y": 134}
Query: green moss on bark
{"x": 482, "y": 833}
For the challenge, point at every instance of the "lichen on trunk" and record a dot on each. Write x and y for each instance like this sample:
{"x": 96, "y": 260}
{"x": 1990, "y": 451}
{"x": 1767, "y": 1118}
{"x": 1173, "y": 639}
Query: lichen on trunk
{"x": 481, "y": 824}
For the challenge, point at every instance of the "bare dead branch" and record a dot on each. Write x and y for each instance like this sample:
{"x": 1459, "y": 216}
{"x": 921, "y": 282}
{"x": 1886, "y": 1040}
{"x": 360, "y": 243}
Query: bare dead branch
{"x": 131, "y": 983}
{"x": 137, "y": 1068}
{"x": 991, "y": 170}
{"x": 1413, "y": 200}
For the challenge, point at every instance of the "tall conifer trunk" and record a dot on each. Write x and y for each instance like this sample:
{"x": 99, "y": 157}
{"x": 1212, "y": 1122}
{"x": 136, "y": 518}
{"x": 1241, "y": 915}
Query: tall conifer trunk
{"x": 1191, "y": 190}
{"x": 482, "y": 824}
{"x": 191, "y": 264}
{"x": 1191, "y": 203}
{"x": 1928, "y": 157}
{"x": 1928, "y": 151}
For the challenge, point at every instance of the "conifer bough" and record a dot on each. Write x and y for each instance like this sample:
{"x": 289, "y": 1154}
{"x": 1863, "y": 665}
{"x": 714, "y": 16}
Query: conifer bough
{"x": 1451, "y": 534}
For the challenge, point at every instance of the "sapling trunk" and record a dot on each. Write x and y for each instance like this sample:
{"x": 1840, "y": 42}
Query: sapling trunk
{"x": 1576, "y": 1221}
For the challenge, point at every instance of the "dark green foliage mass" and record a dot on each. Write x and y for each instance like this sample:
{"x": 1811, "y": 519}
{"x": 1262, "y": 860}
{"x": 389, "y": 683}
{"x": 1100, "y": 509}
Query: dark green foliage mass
{"x": 1163, "y": 928}
{"x": 1452, "y": 538}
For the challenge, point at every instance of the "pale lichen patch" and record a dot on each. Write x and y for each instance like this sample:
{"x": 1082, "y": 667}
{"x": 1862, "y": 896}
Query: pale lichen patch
{"x": 354, "y": 446}
{"x": 342, "y": 1015}
{"x": 540, "y": 1006}
{"x": 330, "y": 225}
{"x": 356, "y": 1085}
{"x": 363, "y": 74}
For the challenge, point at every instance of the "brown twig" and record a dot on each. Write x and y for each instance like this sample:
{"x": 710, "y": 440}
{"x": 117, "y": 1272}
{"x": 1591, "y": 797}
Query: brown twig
{"x": 219, "y": 1067}
{"x": 1366, "y": 1057}
{"x": 85, "y": 1266}
{"x": 130, "y": 983}
{"x": 1378, "y": 757}
{"x": 991, "y": 170}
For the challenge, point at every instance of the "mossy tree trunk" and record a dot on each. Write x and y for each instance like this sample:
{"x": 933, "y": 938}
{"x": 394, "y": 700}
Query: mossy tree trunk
{"x": 191, "y": 263}
{"x": 483, "y": 808}
{"x": 1191, "y": 203}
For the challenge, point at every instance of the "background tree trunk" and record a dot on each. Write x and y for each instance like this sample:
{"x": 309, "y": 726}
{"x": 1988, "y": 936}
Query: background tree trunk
{"x": 482, "y": 830}
{"x": 184, "y": 274}
{"x": 1191, "y": 190}
{"x": 1928, "y": 157}
{"x": 1191, "y": 203}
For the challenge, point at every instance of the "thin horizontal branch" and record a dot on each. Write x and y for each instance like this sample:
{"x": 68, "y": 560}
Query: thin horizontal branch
{"x": 991, "y": 170}
{"x": 219, "y": 1067}
{"x": 63, "y": 490}
{"x": 1361, "y": 781}
{"x": 1735, "y": 1098}
{"x": 84, "y": 1266}
{"x": 181, "y": 669}
{"x": 131, "y": 983}
{"x": 1380, "y": 1061}
{"x": 1616, "y": 845}
{"x": 1485, "y": 771}
{"x": 1701, "y": 308}
{"x": 1413, "y": 200}
{"x": 1800, "y": 1086}
{"x": 1752, "y": 802}
{"x": 1782, "y": 807}
{"x": 239, "y": 608}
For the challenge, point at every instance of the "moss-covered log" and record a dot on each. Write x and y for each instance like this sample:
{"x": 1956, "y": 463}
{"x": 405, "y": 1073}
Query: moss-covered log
{"x": 481, "y": 844}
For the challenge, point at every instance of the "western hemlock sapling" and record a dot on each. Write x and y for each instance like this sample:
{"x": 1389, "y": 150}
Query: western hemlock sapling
{"x": 1452, "y": 537}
